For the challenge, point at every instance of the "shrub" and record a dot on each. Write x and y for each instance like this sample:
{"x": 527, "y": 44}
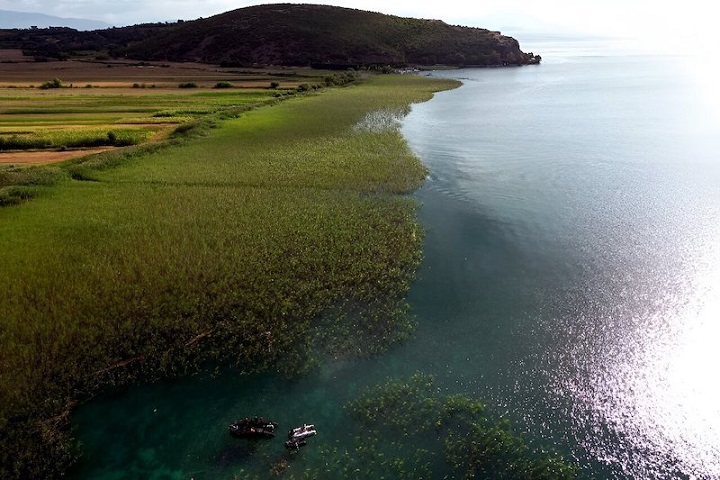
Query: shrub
{"x": 188, "y": 85}
{"x": 54, "y": 83}
{"x": 274, "y": 85}
{"x": 223, "y": 85}
{"x": 340, "y": 78}
{"x": 14, "y": 195}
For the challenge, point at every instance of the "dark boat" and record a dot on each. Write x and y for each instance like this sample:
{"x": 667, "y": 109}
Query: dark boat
{"x": 294, "y": 445}
{"x": 256, "y": 427}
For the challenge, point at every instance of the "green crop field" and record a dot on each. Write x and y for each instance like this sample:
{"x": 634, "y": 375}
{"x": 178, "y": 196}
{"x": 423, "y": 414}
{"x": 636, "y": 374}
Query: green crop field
{"x": 123, "y": 103}
{"x": 90, "y": 117}
{"x": 248, "y": 238}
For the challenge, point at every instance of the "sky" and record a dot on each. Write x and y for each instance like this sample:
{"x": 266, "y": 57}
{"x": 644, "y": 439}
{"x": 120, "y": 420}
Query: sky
{"x": 689, "y": 22}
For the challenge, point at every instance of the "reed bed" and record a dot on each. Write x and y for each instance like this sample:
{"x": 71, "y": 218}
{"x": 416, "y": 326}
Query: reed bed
{"x": 247, "y": 245}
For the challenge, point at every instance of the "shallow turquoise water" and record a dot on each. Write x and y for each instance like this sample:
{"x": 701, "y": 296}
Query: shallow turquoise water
{"x": 571, "y": 281}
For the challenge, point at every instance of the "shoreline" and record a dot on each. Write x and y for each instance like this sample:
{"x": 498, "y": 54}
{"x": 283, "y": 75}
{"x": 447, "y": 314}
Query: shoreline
{"x": 389, "y": 217}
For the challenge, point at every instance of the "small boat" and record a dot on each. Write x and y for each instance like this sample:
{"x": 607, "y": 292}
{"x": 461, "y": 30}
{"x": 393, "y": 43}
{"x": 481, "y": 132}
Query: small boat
{"x": 256, "y": 427}
{"x": 301, "y": 433}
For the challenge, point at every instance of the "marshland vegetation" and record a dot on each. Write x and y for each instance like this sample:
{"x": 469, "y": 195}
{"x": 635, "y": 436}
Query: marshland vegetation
{"x": 265, "y": 234}
{"x": 257, "y": 236}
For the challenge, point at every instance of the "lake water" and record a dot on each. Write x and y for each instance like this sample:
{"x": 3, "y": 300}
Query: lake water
{"x": 571, "y": 280}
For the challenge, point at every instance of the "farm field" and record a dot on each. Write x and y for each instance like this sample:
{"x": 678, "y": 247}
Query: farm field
{"x": 17, "y": 71}
{"x": 78, "y": 106}
{"x": 261, "y": 229}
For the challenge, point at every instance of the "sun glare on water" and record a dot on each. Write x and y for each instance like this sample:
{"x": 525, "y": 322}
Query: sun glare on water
{"x": 656, "y": 385}
{"x": 641, "y": 364}
{"x": 693, "y": 396}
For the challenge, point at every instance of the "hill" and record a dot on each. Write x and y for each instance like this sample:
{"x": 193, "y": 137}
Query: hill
{"x": 288, "y": 34}
{"x": 297, "y": 34}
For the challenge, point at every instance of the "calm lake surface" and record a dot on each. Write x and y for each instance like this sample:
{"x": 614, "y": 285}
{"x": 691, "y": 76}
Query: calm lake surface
{"x": 571, "y": 281}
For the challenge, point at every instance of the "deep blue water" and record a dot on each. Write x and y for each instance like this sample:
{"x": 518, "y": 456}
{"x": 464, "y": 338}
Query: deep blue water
{"x": 571, "y": 280}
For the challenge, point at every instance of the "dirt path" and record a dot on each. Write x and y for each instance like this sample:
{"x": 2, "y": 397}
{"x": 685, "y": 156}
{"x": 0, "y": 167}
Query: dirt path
{"x": 44, "y": 157}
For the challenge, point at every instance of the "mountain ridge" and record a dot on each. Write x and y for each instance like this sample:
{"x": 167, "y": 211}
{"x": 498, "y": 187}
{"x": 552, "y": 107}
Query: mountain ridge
{"x": 290, "y": 35}
{"x": 15, "y": 19}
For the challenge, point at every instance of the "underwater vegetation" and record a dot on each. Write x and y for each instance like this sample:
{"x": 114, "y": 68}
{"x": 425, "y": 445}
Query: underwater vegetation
{"x": 408, "y": 429}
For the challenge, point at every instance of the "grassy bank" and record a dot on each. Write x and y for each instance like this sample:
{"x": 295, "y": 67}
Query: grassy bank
{"x": 278, "y": 229}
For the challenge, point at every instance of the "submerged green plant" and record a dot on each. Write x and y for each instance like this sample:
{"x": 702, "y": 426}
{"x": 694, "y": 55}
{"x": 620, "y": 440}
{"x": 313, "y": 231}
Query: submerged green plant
{"x": 427, "y": 431}
{"x": 406, "y": 429}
